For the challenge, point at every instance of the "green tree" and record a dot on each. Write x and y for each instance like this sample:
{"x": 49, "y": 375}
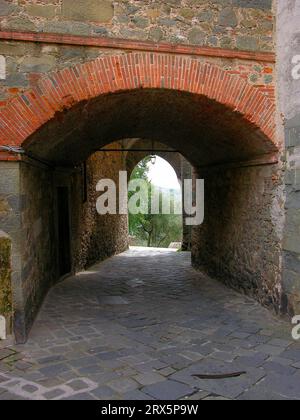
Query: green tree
{"x": 154, "y": 230}
{"x": 139, "y": 222}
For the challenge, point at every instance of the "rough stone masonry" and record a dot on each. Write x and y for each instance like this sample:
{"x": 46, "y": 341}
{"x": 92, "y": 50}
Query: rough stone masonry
{"x": 289, "y": 102}
{"x": 242, "y": 24}
{"x": 5, "y": 276}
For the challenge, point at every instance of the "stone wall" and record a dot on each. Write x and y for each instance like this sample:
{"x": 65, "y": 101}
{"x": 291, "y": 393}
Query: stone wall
{"x": 31, "y": 262}
{"x": 93, "y": 237}
{"x": 5, "y": 279}
{"x": 39, "y": 259}
{"x": 28, "y": 211}
{"x": 288, "y": 46}
{"x": 240, "y": 240}
{"x": 27, "y": 63}
{"x": 10, "y": 221}
{"x": 232, "y": 24}
{"x": 241, "y": 24}
{"x": 97, "y": 237}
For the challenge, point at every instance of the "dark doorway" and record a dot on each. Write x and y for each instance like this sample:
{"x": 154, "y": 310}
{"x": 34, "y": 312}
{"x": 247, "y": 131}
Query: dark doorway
{"x": 63, "y": 230}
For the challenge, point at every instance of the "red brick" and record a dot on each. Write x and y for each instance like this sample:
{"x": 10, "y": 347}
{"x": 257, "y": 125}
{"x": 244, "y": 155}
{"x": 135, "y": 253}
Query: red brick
{"x": 21, "y": 116}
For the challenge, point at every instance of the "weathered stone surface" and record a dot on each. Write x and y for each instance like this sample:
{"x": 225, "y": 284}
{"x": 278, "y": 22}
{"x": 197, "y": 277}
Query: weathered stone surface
{"x": 228, "y": 17}
{"x": 134, "y": 19}
{"x": 140, "y": 22}
{"x": 37, "y": 252}
{"x": 156, "y": 34}
{"x": 9, "y": 179}
{"x": 23, "y": 24}
{"x": 205, "y": 16}
{"x": 41, "y": 64}
{"x": 247, "y": 43}
{"x": 253, "y": 4}
{"x": 15, "y": 49}
{"x": 89, "y": 10}
{"x": 6, "y": 8}
{"x": 4, "y": 207}
{"x": 5, "y": 279}
{"x": 168, "y": 390}
{"x": 87, "y": 361}
{"x": 2, "y": 67}
{"x": 197, "y": 36}
{"x": 291, "y": 243}
{"x": 98, "y": 237}
{"x": 46, "y": 11}
{"x": 57, "y": 27}
{"x": 248, "y": 261}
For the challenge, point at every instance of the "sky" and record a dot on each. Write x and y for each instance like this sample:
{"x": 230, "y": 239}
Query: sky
{"x": 163, "y": 175}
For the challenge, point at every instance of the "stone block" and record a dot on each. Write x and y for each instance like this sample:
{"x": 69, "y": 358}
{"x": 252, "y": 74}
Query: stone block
{"x": 187, "y": 13}
{"x": 253, "y": 4}
{"x": 156, "y": 34}
{"x": 292, "y": 261}
{"x": 88, "y": 10}
{"x": 196, "y": 36}
{"x": 293, "y": 136}
{"x": 291, "y": 282}
{"x": 9, "y": 179}
{"x": 293, "y": 202}
{"x": 123, "y": 385}
{"x": 247, "y": 43}
{"x": 44, "y": 11}
{"x": 2, "y": 328}
{"x": 16, "y": 80}
{"x": 20, "y": 24}
{"x": 54, "y": 370}
{"x": 149, "y": 378}
{"x": 42, "y": 64}
{"x": 4, "y": 207}
{"x": 168, "y": 390}
{"x": 284, "y": 385}
{"x": 57, "y": 27}
{"x": 141, "y": 22}
{"x": 296, "y": 180}
{"x": 79, "y": 28}
{"x": 2, "y": 67}
{"x": 228, "y": 18}
{"x": 6, "y": 8}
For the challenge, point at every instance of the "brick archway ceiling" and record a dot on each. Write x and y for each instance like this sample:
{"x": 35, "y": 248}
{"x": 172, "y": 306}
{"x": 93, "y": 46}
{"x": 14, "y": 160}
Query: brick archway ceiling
{"x": 209, "y": 114}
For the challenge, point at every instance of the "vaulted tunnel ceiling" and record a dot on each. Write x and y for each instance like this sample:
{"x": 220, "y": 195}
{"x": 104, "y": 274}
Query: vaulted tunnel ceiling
{"x": 204, "y": 131}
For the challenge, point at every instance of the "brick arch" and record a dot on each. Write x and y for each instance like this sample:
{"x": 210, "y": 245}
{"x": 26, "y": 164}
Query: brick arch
{"x": 60, "y": 90}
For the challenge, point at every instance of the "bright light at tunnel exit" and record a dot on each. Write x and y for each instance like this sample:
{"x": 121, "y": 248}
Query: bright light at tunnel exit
{"x": 162, "y": 175}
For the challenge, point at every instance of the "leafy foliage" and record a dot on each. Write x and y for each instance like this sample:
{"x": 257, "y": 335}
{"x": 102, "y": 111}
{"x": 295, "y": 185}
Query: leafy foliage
{"x": 150, "y": 229}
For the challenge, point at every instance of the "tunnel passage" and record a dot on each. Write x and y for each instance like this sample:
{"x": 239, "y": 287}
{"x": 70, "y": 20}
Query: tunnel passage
{"x": 239, "y": 242}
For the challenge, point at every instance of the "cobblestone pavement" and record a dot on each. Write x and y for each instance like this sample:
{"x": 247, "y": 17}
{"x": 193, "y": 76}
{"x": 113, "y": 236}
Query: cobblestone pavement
{"x": 140, "y": 326}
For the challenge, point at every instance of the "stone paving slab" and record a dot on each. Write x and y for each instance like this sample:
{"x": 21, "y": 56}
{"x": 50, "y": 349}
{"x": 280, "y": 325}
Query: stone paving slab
{"x": 168, "y": 390}
{"x": 140, "y": 326}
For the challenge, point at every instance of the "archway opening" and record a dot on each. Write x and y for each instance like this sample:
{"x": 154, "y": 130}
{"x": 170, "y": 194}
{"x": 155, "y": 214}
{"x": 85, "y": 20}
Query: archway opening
{"x": 157, "y": 222}
{"x": 238, "y": 242}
